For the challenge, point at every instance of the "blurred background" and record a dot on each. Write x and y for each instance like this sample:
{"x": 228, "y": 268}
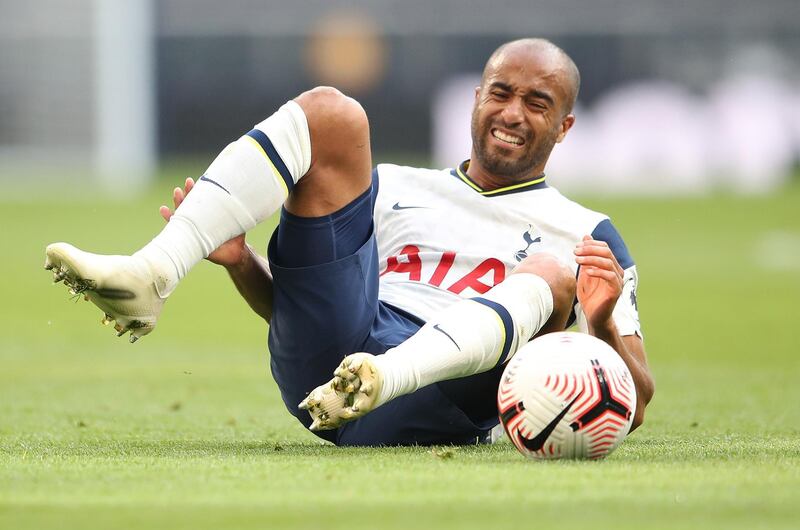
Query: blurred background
{"x": 677, "y": 96}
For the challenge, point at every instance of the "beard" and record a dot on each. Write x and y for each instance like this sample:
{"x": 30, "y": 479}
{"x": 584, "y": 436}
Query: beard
{"x": 502, "y": 162}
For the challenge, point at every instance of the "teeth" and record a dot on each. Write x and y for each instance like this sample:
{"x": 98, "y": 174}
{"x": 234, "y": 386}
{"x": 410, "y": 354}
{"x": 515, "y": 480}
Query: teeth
{"x": 507, "y": 137}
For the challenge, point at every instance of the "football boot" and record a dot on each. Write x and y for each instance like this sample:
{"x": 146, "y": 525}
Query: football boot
{"x": 352, "y": 393}
{"x": 125, "y": 288}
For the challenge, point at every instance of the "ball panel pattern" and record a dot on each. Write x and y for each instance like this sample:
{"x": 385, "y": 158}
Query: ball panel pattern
{"x": 566, "y": 395}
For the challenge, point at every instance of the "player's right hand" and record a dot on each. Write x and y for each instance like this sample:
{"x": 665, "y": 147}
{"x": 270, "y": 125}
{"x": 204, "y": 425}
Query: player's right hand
{"x": 600, "y": 281}
{"x": 228, "y": 254}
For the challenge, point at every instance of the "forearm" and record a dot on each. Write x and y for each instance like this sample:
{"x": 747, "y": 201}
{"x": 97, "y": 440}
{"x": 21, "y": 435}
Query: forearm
{"x": 253, "y": 280}
{"x": 631, "y": 350}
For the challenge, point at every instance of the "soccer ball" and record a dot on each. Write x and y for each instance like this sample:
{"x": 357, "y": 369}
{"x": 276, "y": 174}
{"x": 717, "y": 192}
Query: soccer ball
{"x": 566, "y": 395}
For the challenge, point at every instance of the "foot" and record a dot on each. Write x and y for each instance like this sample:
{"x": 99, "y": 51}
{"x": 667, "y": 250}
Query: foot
{"x": 123, "y": 287}
{"x": 352, "y": 393}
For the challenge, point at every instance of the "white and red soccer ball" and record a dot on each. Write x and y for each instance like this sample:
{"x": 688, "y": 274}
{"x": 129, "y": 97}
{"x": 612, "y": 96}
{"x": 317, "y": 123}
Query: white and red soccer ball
{"x": 566, "y": 395}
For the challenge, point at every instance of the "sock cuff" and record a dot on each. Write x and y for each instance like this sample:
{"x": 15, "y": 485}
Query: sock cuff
{"x": 507, "y": 323}
{"x": 286, "y": 140}
{"x": 526, "y": 302}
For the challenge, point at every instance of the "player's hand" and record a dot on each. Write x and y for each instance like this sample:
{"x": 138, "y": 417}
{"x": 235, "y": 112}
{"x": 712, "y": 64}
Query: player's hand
{"x": 228, "y": 254}
{"x": 600, "y": 281}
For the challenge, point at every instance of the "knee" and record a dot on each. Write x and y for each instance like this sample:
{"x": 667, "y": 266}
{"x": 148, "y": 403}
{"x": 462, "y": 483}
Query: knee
{"x": 341, "y": 163}
{"x": 329, "y": 111}
{"x": 558, "y": 276}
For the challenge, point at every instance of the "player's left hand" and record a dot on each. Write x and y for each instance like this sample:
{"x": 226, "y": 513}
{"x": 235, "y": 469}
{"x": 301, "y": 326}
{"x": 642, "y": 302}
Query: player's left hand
{"x": 600, "y": 280}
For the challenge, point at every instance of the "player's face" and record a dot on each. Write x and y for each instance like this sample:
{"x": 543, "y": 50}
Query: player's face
{"x": 519, "y": 114}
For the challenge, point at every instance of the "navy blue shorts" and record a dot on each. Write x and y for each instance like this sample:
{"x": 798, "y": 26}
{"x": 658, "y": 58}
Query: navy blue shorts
{"x": 325, "y": 306}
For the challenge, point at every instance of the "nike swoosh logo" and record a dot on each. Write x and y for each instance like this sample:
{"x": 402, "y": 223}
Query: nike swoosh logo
{"x": 437, "y": 328}
{"x": 397, "y": 206}
{"x": 537, "y": 442}
{"x": 215, "y": 183}
{"x": 115, "y": 294}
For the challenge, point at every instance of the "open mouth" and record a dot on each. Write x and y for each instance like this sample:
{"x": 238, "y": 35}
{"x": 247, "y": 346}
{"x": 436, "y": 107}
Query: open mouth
{"x": 506, "y": 138}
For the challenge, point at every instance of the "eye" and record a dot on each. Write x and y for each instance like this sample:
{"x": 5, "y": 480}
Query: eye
{"x": 536, "y": 105}
{"x": 499, "y": 94}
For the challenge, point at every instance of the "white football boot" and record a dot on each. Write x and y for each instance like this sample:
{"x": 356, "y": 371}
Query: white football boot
{"x": 125, "y": 288}
{"x": 352, "y": 393}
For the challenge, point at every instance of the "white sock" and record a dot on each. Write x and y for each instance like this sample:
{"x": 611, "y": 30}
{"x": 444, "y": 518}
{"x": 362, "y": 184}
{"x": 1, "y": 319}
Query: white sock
{"x": 469, "y": 337}
{"x": 245, "y": 184}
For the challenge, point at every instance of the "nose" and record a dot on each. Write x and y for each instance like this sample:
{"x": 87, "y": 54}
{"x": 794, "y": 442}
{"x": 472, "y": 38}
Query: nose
{"x": 513, "y": 113}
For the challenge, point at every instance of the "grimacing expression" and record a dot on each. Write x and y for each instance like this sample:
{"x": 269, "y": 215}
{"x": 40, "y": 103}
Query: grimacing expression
{"x": 520, "y": 113}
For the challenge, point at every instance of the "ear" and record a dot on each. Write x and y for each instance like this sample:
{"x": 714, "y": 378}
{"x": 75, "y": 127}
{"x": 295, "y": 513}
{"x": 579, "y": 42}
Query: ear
{"x": 566, "y": 125}
{"x": 477, "y": 92}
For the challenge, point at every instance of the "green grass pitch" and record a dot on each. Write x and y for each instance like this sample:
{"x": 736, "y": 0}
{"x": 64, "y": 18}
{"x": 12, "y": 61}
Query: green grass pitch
{"x": 185, "y": 429}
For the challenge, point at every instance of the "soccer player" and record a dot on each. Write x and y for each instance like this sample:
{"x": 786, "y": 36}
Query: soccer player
{"x": 433, "y": 277}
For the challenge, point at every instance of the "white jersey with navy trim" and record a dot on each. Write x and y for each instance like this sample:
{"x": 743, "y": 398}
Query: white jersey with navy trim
{"x": 441, "y": 238}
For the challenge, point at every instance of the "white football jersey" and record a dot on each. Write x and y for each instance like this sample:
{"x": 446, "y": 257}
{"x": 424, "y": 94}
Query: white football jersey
{"x": 441, "y": 238}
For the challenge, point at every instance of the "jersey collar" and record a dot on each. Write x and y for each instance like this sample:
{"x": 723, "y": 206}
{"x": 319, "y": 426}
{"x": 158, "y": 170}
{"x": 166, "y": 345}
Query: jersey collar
{"x": 533, "y": 183}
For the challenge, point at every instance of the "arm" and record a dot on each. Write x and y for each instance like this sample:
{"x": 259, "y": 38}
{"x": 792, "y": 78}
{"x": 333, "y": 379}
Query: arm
{"x": 631, "y": 349}
{"x": 249, "y": 271}
{"x": 600, "y": 284}
{"x": 253, "y": 280}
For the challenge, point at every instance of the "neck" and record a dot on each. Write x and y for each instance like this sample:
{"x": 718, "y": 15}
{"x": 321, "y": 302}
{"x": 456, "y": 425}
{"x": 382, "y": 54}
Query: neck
{"x": 491, "y": 181}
